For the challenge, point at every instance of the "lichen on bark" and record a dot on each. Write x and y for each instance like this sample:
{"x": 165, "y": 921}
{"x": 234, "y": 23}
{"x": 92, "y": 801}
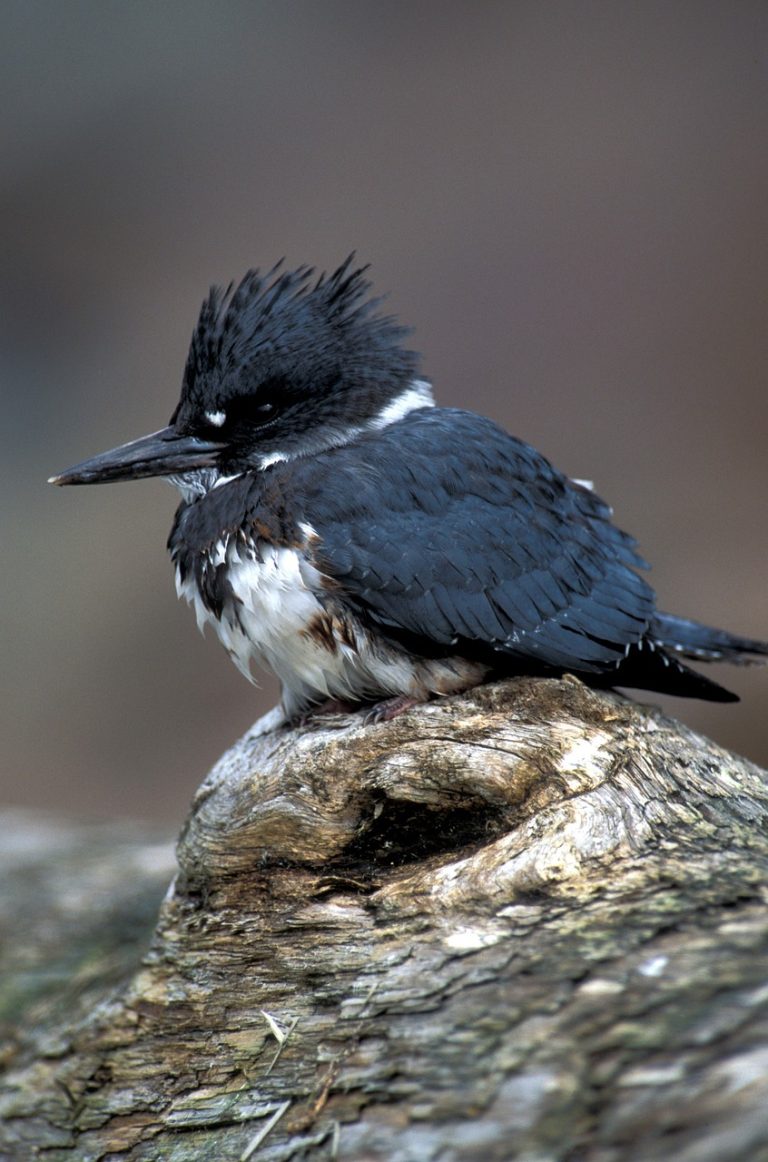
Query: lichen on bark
{"x": 525, "y": 923}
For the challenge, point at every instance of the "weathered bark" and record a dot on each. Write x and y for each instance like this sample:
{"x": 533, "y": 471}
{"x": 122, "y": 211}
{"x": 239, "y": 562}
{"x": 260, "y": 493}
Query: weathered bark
{"x": 528, "y": 923}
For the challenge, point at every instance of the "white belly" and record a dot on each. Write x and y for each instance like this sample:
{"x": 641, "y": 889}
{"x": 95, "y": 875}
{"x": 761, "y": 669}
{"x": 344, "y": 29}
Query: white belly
{"x": 278, "y": 618}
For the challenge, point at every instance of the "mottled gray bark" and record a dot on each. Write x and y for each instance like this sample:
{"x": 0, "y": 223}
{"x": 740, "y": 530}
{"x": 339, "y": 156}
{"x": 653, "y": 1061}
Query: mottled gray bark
{"x": 528, "y": 923}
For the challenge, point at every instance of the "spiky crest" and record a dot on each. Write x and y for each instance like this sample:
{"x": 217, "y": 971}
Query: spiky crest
{"x": 276, "y": 316}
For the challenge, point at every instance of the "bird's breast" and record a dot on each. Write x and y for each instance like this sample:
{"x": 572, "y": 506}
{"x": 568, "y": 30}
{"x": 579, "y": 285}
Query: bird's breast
{"x": 260, "y": 598}
{"x": 271, "y": 607}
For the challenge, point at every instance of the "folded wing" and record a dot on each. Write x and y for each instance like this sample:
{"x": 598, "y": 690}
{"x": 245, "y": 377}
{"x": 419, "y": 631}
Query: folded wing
{"x": 461, "y": 536}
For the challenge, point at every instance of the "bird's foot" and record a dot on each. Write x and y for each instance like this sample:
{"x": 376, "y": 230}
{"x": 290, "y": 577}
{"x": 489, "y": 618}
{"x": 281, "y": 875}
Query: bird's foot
{"x": 383, "y": 711}
{"x": 390, "y": 708}
{"x": 330, "y": 706}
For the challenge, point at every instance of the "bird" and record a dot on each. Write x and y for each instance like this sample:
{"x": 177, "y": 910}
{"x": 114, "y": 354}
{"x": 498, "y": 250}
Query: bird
{"x": 372, "y": 549}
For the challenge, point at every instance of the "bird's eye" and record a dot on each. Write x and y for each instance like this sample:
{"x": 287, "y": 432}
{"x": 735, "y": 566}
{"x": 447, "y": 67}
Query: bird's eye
{"x": 260, "y": 414}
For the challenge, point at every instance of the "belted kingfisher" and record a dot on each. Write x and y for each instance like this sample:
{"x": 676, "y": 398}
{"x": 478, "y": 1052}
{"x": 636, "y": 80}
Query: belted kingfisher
{"x": 370, "y": 547}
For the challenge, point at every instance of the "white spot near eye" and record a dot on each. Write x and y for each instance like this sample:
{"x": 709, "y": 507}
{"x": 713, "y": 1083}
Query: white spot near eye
{"x": 215, "y": 419}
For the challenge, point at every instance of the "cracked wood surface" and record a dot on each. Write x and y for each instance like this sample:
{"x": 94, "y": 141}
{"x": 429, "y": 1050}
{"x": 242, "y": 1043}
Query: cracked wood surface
{"x": 528, "y": 923}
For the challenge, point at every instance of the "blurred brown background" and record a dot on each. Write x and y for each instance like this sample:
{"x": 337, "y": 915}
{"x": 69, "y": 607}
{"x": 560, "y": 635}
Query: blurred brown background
{"x": 568, "y": 202}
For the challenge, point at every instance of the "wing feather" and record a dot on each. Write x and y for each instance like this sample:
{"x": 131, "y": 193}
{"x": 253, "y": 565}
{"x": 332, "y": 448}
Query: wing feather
{"x": 458, "y": 532}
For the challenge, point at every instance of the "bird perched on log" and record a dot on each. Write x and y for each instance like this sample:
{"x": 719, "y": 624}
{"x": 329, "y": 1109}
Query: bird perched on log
{"x": 369, "y": 547}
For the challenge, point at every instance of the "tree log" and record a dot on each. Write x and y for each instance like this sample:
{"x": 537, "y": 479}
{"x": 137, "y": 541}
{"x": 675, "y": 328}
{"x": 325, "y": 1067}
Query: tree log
{"x": 527, "y": 923}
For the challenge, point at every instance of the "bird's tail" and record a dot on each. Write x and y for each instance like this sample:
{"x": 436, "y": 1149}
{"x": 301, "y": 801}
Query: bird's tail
{"x": 703, "y": 643}
{"x": 654, "y": 663}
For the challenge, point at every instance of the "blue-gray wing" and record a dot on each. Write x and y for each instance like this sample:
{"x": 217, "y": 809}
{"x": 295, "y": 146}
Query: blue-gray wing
{"x": 444, "y": 527}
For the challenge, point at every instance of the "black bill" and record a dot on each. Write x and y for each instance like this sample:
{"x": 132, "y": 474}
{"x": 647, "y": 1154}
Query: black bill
{"x": 163, "y": 453}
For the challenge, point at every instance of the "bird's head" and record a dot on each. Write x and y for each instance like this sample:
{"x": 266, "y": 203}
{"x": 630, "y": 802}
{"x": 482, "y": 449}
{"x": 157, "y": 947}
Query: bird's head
{"x": 286, "y": 364}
